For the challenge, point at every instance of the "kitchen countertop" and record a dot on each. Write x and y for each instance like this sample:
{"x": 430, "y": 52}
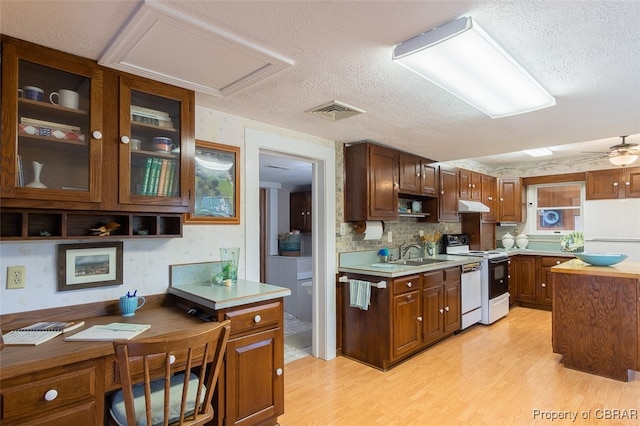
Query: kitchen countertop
{"x": 513, "y": 252}
{"x": 401, "y": 270}
{"x": 578, "y": 267}
{"x": 220, "y": 297}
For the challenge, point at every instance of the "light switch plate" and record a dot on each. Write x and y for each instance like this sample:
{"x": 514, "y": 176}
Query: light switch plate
{"x": 389, "y": 237}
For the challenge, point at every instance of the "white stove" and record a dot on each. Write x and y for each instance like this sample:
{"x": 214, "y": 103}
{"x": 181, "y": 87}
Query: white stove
{"x": 494, "y": 276}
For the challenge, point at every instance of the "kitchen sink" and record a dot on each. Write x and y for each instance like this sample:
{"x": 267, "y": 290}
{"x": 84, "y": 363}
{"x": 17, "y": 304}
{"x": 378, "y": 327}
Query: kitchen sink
{"x": 418, "y": 261}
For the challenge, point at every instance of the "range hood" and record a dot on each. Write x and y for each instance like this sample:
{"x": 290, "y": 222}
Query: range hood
{"x": 465, "y": 206}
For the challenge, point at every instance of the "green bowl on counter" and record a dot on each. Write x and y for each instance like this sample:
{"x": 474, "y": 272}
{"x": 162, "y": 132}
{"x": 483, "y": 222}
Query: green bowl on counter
{"x": 601, "y": 259}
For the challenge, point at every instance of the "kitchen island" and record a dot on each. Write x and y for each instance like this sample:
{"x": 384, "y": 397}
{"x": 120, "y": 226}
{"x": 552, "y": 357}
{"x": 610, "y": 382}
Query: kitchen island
{"x": 596, "y": 317}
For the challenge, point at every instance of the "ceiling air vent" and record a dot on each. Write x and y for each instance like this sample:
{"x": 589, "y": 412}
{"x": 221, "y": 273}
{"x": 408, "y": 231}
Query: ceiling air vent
{"x": 335, "y": 110}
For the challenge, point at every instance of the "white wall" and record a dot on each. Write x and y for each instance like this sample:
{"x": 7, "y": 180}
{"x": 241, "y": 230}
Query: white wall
{"x": 145, "y": 262}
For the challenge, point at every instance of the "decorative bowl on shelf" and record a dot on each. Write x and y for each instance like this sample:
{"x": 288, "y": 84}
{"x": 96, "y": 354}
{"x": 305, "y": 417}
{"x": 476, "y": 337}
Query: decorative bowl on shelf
{"x": 601, "y": 259}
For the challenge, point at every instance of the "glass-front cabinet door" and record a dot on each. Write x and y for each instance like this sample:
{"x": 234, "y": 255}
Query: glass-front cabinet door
{"x": 51, "y": 126}
{"x": 154, "y": 143}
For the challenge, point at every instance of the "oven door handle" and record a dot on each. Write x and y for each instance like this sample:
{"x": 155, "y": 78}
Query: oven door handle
{"x": 498, "y": 261}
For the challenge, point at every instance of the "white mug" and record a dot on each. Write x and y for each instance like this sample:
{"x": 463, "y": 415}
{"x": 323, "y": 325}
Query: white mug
{"x": 65, "y": 98}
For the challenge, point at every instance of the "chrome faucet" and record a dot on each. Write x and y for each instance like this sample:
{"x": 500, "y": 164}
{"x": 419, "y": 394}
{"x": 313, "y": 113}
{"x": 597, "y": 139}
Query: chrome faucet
{"x": 402, "y": 251}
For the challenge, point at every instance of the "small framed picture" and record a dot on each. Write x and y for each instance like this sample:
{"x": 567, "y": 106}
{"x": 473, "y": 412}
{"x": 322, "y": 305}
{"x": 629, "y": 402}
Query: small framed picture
{"x": 217, "y": 185}
{"x": 89, "y": 265}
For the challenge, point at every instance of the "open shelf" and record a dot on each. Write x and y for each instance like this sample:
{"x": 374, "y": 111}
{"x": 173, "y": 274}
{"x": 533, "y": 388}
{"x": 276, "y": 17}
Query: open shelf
{"x": 46, "y": 224}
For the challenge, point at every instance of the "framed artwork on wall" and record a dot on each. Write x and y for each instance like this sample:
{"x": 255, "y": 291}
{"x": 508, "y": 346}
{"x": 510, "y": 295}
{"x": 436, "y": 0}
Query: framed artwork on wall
{"x": 89, "y": 265}
{"x": 217, "y": 185}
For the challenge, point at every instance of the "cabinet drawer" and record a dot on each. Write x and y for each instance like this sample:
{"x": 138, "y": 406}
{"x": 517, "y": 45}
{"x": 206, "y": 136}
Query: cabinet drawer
{"x": 452, "y": 274}
{"x": 552, "y": 261}
{"x": 433, "y": 277}
{"x": 255, "y": 318}
{"x": 64, "y": 388}
{"x": 82, "y": 414}
{"x": 405, "y": 284}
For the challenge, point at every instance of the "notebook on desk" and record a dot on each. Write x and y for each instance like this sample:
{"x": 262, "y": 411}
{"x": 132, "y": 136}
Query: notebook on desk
{"x": 108, "y": 332}
{"x": 39, "y": 332}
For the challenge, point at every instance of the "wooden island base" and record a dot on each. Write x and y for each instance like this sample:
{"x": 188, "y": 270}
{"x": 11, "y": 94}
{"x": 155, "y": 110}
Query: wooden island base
{"x": 596, "y": 318}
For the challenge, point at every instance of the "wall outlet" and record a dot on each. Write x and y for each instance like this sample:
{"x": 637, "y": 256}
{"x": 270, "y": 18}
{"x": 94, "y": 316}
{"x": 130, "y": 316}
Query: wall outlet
{"x": 343, "y": 228}
{"x": 389, "y": 237}
{"x": 16, "y": 276}
{"x": 421, "y": 233}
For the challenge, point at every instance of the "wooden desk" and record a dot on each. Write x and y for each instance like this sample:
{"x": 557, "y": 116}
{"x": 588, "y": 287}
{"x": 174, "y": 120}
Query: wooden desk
{"x": 250, "y": 387}
{"x": 82, "y": 373}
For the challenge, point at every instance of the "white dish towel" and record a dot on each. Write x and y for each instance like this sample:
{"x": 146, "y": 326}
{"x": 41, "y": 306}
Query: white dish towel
{"x": 360, "y": 294}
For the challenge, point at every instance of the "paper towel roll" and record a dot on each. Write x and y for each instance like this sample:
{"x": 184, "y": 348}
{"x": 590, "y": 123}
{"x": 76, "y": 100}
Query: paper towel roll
{"x": 373, "y": 230}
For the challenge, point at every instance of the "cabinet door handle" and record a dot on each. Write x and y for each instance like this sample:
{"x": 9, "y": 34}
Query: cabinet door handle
{"x": 50, "y": 395}
{"x": 409, "y": 298}
{"x": 257, "y": 318}
{"x": 557, "y": 262}
{"x": 442, "y": 192}
{"x": 409, "y": 284}
{"x": 125, "y": 139}
{"x": 490, "y": 198}
{"x": 279, "y": 372}
{"x": 441, "y": 311}
{"x": 172, "y": 359}
{"x": 615, "y": 183}
{"x": 446, "y": 308}
{"x": 544, "y": 285}
{"x": 97, "y": 134}
{"x": 501, "y": 199}
{"x": 420, "y": 319}
{"x": 627, "y": 183}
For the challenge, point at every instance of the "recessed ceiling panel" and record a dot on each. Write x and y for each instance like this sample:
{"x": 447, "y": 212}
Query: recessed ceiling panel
{"x": 161, "y": 44}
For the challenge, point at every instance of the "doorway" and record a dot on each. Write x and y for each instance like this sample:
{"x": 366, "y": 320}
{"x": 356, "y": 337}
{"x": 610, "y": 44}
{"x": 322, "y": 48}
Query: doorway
{"x": 286, "y": 185}
{"x": 323, "y": 227}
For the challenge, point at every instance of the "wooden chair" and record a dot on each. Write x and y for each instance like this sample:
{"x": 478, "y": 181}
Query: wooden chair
{"x": 163, "y": 376}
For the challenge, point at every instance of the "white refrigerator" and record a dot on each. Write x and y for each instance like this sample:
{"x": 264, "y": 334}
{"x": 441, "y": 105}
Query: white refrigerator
{"x": 613, "y": 226}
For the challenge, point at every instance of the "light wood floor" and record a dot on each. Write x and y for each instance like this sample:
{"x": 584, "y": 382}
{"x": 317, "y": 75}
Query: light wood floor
{"x": 498, "y": 375}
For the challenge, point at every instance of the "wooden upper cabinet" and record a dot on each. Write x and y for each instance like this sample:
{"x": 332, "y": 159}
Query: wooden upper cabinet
{"x": 417, "y": 176}
{"x": 409, "y": 174}
{"x": 510, "y": 203}
{"x": 52, "y": 148}
{"x": 470, "y": 185}
{"x": 613, "y": 183}
{"x": 371, "y": 183}
{"x": 159, "y": 116}
{"x": 429, "y": 179}
{"x": 488, "y": 189}
{"x": 632, "y": 182}
{"x": 448, "y": 196}
{"x": 300, "y": 211}
{"x": 92, "y": 138}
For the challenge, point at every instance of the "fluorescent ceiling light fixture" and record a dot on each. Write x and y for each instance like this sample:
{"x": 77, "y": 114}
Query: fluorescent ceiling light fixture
{"x": 462, "y": 59}
{"x": 538, "y": 152}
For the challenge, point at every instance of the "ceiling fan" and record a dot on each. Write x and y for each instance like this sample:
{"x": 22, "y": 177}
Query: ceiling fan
{"x": 622, "y": 154}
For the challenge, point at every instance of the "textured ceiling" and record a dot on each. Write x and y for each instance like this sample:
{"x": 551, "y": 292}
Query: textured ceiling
{"x": 584, "y": 52}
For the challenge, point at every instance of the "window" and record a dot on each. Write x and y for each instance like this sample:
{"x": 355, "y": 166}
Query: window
{"x": 555, "y": 208}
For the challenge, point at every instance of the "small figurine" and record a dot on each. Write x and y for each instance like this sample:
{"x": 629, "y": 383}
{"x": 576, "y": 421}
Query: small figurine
{"x": 105, "y": 230}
